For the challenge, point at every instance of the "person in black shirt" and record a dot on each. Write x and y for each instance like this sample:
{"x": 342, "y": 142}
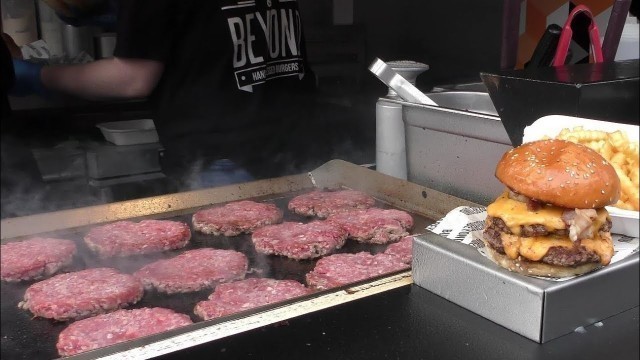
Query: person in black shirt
{"x": 18, "y": 168}
{"x": 227, "y": 80}
{"x": 7, "y": 78}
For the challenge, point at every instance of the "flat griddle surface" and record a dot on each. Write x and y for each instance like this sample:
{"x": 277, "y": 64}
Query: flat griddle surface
{"x": 25, "y": 338}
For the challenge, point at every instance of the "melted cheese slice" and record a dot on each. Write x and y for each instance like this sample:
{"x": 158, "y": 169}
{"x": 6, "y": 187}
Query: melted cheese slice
{"x": 601, "y": 245}
{"x": 515, "y": 214}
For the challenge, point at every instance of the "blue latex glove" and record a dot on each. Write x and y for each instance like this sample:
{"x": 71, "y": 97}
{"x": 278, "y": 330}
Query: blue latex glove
{"x": 28, "y": 80}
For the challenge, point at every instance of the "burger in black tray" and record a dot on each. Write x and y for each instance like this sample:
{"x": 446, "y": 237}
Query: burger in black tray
{"x": 551, "y": 220}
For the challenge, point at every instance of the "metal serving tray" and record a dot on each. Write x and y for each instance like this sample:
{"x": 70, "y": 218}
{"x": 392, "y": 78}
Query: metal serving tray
{"x": 538, "y": 309}
{"x": 26, "y": 338}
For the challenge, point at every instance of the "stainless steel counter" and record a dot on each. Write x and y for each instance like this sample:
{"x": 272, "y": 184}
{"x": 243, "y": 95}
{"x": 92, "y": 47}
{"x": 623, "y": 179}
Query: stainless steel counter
{"x": 412, "y": 323}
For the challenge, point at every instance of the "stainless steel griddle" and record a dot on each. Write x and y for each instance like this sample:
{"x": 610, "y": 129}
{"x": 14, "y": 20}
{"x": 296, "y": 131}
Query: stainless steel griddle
{"x": 25, "y": 338}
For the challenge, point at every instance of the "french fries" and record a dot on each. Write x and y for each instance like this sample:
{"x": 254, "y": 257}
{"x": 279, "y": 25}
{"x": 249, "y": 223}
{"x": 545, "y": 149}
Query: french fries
{"x": 618, "y": 150}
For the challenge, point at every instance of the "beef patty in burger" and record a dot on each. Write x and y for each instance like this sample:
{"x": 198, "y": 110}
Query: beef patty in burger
{"x": 551, "y": 220}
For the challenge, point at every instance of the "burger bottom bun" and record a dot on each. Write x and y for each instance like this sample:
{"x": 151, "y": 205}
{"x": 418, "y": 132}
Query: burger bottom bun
{"x": 536, "y": 268}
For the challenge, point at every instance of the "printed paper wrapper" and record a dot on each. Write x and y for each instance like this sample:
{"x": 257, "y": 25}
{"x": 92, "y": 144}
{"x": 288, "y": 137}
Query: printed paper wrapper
{"x": 465, "y": 225}
{"x": 38, "y": 51}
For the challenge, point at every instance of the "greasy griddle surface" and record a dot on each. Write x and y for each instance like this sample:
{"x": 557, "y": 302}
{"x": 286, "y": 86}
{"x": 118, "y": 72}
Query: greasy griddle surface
{"x": 25, "y": 338}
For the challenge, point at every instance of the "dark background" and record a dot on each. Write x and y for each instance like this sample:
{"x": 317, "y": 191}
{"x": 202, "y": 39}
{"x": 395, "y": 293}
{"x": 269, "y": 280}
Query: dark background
{"x": 456, "y": 39}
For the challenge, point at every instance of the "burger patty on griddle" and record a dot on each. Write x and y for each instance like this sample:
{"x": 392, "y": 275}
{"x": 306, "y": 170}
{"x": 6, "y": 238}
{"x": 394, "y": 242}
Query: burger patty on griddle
{"x": 557, "y": 255}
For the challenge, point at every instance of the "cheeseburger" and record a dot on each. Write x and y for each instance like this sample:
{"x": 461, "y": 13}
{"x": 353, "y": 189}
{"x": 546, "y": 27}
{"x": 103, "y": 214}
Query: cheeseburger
{"x": 551, "y": 220}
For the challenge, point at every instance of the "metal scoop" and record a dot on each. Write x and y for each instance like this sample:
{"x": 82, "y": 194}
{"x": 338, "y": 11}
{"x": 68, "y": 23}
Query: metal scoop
{"x": 405, "y": 90}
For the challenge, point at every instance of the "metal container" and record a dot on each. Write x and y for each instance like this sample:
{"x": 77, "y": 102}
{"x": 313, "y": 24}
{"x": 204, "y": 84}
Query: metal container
{"x": 76, "y": 40}
{"x": 61, "y": 163}
{"x": 130, "y": 132}
{"x": 105, "y": 43}
{"x": 27, "y": 338}
{"x": 454, "y": 147}
{"x": 471, "y": 101}
{"x": 538, "y": 309}
{"x": 470, "y": 86}
{"x": 105, "y": 161}
{"x": 391, "y": 157}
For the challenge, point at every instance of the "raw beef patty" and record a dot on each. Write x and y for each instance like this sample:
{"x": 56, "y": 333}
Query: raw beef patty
{"x": 376, "y": 226}
{"x": 342, "y": 269}
{"x": 117, "y": 327}
{"x": 325, "y": 203}
{"x": 81, "y": 294}
{"x": 235, "y": 218}
{"x": 124, "y": 238}
{"x": 403, "y": 249}
{"x": 247, "y": 294}
{"x": 299, "y": 241}
{"x": 194, "y": 270}
{"x": 34, "y": 258}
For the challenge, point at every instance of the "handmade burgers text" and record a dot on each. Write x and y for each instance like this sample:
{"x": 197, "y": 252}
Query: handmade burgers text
{"x": 551, "y": 220}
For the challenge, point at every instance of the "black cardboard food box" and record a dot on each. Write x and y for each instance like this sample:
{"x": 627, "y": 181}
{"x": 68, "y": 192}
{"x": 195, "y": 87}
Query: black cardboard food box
{"x": 603, "y": 91}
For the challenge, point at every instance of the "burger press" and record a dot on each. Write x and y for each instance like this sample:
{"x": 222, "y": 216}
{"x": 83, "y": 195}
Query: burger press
{"x": 388, "y": 74}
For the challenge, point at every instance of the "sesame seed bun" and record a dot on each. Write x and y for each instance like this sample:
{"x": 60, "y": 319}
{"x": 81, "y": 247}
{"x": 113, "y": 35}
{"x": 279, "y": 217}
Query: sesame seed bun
{"x": 560, "y": 173}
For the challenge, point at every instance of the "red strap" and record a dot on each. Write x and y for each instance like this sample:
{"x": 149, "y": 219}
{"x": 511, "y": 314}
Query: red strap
{"x": 567, "y": 33}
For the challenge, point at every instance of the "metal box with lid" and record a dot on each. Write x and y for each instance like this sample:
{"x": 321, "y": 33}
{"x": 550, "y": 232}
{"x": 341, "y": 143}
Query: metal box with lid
{"x": 453, "y": 147}
{"x": 538, "y": 309}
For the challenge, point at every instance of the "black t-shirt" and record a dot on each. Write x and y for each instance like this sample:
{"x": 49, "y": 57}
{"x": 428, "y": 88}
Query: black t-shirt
{"x": 235, "y": 72}
{"x": 7, "y": 77}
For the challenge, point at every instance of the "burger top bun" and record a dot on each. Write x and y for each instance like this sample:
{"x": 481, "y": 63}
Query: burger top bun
{"x": 560, "y": 173}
